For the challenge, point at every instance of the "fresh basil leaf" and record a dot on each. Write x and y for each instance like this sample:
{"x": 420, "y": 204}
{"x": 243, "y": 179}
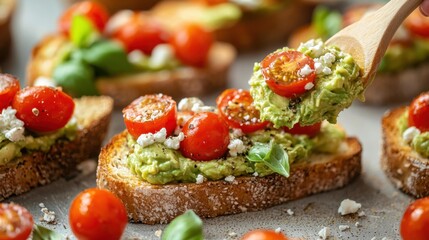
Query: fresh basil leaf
{"x": 76, "y": 78}
{"x": 187, "y": 226}
{"x": 326, "y": 22}
{"x": 272, "y": 155}
{"x": 82, "y": 31}
{"x": 42, "y": 233}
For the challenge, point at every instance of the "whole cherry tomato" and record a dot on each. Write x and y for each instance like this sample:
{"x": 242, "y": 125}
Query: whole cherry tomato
{"x": 417, "y": 24}
{"x": 206, "y": 137}
{"x": 97, "y": 214}
{"x": 149, "y": 114}
{"x": 9, "y": 85}
{"x": 237, "y": 109}
{"x": 95, "y": 12}
{"x": 415, "y": 221}
{"x": 192, "y": 44}
{"x": 263, "y": 235}
{"x": 282, "y": 72}
{"x": 418, "y": 112}
{"x": 140, "y": 32}
{"x": 311, "y": 130}
{"x": 16, "y": 222}
{"x": 43, "y": 109}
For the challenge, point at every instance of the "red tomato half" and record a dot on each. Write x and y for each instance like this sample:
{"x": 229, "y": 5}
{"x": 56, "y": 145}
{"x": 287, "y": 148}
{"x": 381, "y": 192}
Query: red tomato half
{"x": 97, "y": 214}
{"x": 183, "y": 117}
{"x": 418, "y": 112}
{"x": 281, "y": 72}
{"x": 149, "y": 114}
{"x": 9, "y": 85}
{"x": 95, "y": 12}
{"x": 237, "y": 110}
{"x": 16, "y": 222}
{"x": 206, "y": 137}
{"x": 140, "y": 32}
{"x": 43, "y": 109}
{"x": 311, "y": 130}
{"x": 415, "y": 221}
{"x": 263, "y": 235}
{"x": 192, "y": 44}
{"x": 417, "y": 24}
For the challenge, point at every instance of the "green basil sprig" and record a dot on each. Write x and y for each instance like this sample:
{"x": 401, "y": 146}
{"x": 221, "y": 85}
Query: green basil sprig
{"x": 272, "y": 155}
{"x": 42, "y": 233}
{"x": 326, "y": 22}
{"x": 83, "y": 32}
{"x": 187, "y": 226}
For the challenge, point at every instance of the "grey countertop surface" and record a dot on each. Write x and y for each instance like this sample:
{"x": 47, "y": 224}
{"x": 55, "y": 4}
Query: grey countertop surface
{"x": 381, "y": 202}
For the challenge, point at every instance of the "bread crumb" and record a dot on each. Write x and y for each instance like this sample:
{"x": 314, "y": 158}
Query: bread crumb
{"x": 348, "y": 206}
{"x": 324, "y": 233}
{"x": 158, "y": 233}
{"x": 230, "y": 178}
{"x": 343, "y": 227}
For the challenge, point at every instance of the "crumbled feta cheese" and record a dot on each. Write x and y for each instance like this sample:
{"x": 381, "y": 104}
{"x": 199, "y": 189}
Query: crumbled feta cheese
{"x": 357, "y": 224}
{"x": 199, "y": 179}
{"x": 315, "y": 47}
{"x": 237, "y": 132}
{"x": 232, "y": 234}
{"x": 41, "y": 205}
{"x": 190, "y": 104}
{"x": 278, "y": 230}
{"x": 324, "y": 233}
{"x": 48, "y": 216}
{"x": 15, "y": 134}
{"x": 290, "y": 212}
{"x": 10, "y": 126}
{"x": 118, "y": 20}
{"x": 326, "y": 71}
{"x": 309, "y": 86}
{"x": 151, "y": 138}
{"x": 324, "y": 63}
{"x": 305, "y": 71}
{"x": 348, "y": 206}
{"x": 361, "y": 214}
{"x": 174, "y": 142}
{"x": 230, "y": 178}
{"x": 44, "y": 81}
{"x": 343, "y": 227}
{"x": 158, "y": 233}
{"x": 255, "y": 174}
{"x": 410, "y": 133}
{"x": 136, "y": 56}
{"x": 236, "y": 146}
{"x": 161, "y": 55}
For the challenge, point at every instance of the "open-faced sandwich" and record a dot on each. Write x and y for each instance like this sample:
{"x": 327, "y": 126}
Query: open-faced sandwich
{"x": 405, "y": 155}
{"x": 45, "y": 134}
{"x": 245, "y": 24}
{"x": 404, "y": 69}
{"x": 128, "y": 55}
{"x": 218, "y": 160}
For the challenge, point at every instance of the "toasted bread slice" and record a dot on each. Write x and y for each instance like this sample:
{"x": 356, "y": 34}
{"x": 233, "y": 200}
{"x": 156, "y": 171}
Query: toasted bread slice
{"x": 178, "y": 83}
{"x": 115, "y": 5}
{"x": 406, "y": 169}
{"x": 7, "y": 8}
{"x": 40, "y": 168}
{"x": 152, "y": 204}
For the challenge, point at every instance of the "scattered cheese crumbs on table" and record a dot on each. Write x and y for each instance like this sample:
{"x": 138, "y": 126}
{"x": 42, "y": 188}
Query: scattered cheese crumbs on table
{"x": 48, "y": 216}
{"x": 230, "y": 178}
{"x": 361, "y": 214}
{"x": 41, "y": 205}
{"x": 232, "y": 234}
{"x": 290, "y": 212}
{"x": 278, "y": 230}
{"x": 357, "y": 224}
{"x": 324, "y": 233}
{"x": 348, "y": 206}
{"x": 158, "y": 233}
{"x": 343, "y": 227}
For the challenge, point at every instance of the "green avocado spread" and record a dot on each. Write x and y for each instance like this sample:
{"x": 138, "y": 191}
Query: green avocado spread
{"x": 336, "y": 85}
{"x": 419, "y": 141}
{"x": 158, "y": 164}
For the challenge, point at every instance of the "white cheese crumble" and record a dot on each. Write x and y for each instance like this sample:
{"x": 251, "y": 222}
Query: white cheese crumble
{"x": 343, "y": 227}
{"x": 199, "y": 179}
{"x": 410, "y": 133}
{"x": 309, "y": 86}
{"x": 41, "y": 205}
{"x": 158, "y": 233}
{"x": 348, "y": 206}
{"x": 44, "y": 81}
{"x": 290, "y": 212}
{"x": 161, "y": 55}
{"x": 305, "y": 71}
{"x": 236, "y": 146}
{"x": 361, "y": 214}
{"x": 278, "y": 230}
{"x": 324, "y": 233}
{"x": 174, "y": 142}
{"x": 151, "y": 138}
{"x": 357, "y": 224}
{"x": 117, "y": 20}
{"x": 136, "y": 57}
{"x": 255, "y": 174}
{"x": 232, "y": 234}
{"x": 230, "y": 178}
{"x": 195, "y": 105}
{"x": 316, "y": 47}
{"x": 324, "y": 63}
{"x": 48, "y": 216}
{"x": 236, "y": 133}
{"x": 10, "y": 126}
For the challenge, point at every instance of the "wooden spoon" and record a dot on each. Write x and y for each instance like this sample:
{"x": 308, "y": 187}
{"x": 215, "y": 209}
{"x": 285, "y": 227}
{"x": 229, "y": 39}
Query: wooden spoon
{"x": 367, "y": 39}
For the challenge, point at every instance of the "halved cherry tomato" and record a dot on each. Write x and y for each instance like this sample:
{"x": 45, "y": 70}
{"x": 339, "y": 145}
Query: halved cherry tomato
{"x": 16, "y": 222}
{"x": 149, "y": 114}
{"x": 95, "y": 12}
{"x": 415, "y": 221}
{"x": 9, "y": 85}
{"x": 43, "y": 109}
{"x": 281, "y": 71}
{"x": 206, "y": 137}
{"x": 418, "y": 112}
{"x": 97, "y": 214}
{"x": 417, "y": 24}
{"x": 311, "y": 130}
{"x": 140, "y": 32}
{"x": 264, "y": 235}
{"x": 237, "y": 109}
{"x": 192, "y": 44}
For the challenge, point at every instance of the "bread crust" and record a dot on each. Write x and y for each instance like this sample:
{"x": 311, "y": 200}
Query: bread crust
{"x": 152, "y": 204}
{"x": 40, "y": 168}
{"x": 405, "y": 168}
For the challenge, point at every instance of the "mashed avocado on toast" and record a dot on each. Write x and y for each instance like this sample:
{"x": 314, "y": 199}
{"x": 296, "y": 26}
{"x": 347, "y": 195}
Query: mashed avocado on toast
{"x": 336, "y": 85}
{"x": 419, "y": 141}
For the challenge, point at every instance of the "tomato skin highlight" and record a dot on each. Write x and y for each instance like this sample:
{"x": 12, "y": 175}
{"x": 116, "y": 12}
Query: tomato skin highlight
{"x": 237, "y": 110}
{"x": 17, "y": 222}
{"x": 415, "y": 221}
{"x": 311, "y": 130}
{"x": 263, "y": 235}
{"x": 281, "y": 73}
{"x": 43, "y": 109}
{"x": 418, "y": 112}
{"x": 7, "y": 92}
{"x": 192, "y": 44}
{"x": 97, "y": 214}
{"x": 417, "y": 24}
{"x": 206, "y": 137}
{"x": 149, "y": 114}
{"x": 95, "y": 12}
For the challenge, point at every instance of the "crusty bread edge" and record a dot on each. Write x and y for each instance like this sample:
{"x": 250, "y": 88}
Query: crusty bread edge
{"x": 405, "y": 168}
{"x": 152, "y": 204}
{"x": 40, "y": 168}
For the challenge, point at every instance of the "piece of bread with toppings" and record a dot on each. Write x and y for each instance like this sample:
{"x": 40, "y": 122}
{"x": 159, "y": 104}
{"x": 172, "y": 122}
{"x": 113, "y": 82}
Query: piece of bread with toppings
{"x": 32, "y": 160}
{"x": 405, "y": 152}
{"x": 218, "y": 162}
